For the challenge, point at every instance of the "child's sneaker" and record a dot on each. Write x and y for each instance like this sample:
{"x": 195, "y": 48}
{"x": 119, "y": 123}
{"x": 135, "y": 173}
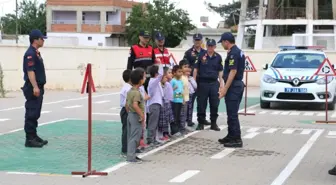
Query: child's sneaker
{"x": 135, "y": 161}
{"x": 143, "y": 144}
{"x": 124, "y": 155}
{"x": 166, "y": 137}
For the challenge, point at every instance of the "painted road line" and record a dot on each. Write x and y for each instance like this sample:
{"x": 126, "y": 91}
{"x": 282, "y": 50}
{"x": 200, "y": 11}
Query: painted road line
{"x": 223, "y": 153}
{"x": 321, "y": 114}
{"x": 61, "y": 101}
{"x": 333, "y": 115}
{"x": 21, "y": 173}
{"x": 263, "y": 112}
{"x": 45, "y": 112}
{"x": 41, "y": 124}
{"x": 294, "y": 113}
{"x": 1, "y": 120}
{"x": 308, "y": 114}
{"x": 253, "y": 130}
{"x": 72, "y": 107}
{"x": 122, "y": 164}
{"x": 105, "y": 114}
{"x": 288, "y": 170}
{"x": 276, "y": 112}
{"x": 306, "y": 131}
{"x": 285, "y": 113}
{"x": 184, "y": 176}
{"x": 250, "y": 135}
{"x": 222, "y": 127}
{"x": 271, "y": 130}
{"x": 288, "y": 131}
{"x": 332, "y": 133}
{"x": 101, "y": 102}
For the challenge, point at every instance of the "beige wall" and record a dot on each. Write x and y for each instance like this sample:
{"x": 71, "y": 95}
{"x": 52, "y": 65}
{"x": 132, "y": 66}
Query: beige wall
{"x": 63, "y": 65}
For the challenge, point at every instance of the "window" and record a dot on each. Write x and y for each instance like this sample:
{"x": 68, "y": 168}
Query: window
{"x": 298, "y": 60}
{"x": 89, "y": 38}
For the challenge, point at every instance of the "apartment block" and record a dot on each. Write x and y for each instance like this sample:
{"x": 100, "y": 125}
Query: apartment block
{"x": 100, "y": 22}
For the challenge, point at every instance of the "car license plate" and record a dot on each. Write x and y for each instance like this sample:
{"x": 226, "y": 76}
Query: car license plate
{"x": 296, "y": 90}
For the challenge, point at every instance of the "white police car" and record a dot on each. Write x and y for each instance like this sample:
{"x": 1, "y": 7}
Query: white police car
{"x": 291, "y": 78}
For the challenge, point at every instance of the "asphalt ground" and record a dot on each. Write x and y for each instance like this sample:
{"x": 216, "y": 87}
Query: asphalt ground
{"x": 282, "y": 145}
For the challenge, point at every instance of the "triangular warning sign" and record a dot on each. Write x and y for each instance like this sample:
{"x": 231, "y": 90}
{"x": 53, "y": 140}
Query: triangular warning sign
{"x": 325, "y": 69}
{"x": 249, "y": 67}
{"x": 172, "y": 60}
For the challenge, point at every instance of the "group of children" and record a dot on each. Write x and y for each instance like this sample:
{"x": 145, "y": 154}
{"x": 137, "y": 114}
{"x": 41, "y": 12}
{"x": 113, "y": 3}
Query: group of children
{"x": 165, "y": 108}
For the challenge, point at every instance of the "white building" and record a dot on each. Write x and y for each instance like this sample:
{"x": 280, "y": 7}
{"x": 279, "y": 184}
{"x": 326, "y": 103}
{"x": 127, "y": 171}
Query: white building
{"x": 287, "y": 22}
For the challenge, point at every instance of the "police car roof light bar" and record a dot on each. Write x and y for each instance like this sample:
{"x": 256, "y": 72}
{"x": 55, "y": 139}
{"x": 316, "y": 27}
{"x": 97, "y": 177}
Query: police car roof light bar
{"x": 285, "y": 48}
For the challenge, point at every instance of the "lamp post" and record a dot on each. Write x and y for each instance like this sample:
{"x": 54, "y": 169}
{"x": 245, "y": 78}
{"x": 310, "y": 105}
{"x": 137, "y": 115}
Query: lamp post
{"x": 16, "y": 21}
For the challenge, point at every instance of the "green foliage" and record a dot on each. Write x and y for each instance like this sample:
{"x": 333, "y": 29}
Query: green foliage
{"x": 2, "y": 87}
{"x": 229, "y": 12}
{"x": 161, "y": 16}
{"x": 31, "y": 15}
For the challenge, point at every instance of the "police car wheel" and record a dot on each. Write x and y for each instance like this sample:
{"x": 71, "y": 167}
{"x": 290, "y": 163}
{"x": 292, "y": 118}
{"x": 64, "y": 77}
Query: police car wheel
{"x": 265, "y": 104}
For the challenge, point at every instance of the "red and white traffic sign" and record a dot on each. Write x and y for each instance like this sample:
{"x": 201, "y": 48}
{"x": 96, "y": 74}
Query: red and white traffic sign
{"x": 325, "y": 69}
{"x": 249, "y": 67}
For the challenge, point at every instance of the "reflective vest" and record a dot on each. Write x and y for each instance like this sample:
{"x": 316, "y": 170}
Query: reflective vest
{"x": 163, "y": 56}
{"x": 143, "y": 56}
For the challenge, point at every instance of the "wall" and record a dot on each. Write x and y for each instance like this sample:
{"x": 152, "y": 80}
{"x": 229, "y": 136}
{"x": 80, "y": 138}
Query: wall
{"x": 65, "y": 65}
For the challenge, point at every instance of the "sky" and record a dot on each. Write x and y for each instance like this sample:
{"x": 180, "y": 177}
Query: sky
{"x": 195, "y": 8}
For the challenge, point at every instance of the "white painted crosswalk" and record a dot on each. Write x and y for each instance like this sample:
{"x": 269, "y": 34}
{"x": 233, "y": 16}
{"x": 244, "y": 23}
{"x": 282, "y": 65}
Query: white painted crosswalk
{"x": 4, "y": 119}
{"x": 292, "y": 113}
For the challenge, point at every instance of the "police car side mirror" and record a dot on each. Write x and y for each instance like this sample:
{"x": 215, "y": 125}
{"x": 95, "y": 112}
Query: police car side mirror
{"x": 266, "y": 67}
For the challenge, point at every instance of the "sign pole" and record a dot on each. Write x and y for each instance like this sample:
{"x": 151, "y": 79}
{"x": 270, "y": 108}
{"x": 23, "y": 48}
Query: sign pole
{"x": 249, "y": 67}
{"x": 326, "y": 70}
{"x": 88, "y": 81}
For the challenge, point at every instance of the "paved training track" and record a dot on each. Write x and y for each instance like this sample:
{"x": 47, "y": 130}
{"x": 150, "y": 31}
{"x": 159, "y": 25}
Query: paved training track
{"x": 280, "y": 147}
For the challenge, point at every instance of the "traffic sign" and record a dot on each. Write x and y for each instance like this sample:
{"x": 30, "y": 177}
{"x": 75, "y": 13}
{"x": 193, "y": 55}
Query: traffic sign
{"x": 326, "y": 69}
{"x": 249, "y": 67}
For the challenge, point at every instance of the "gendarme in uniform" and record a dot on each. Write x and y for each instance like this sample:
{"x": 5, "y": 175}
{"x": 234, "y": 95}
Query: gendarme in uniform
{"x": 33, "y": 88}
{"x": 235, "y": 65}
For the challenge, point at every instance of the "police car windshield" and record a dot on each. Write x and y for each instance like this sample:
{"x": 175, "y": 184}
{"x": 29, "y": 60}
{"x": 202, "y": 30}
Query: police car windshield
{"x": 298, "y": 60}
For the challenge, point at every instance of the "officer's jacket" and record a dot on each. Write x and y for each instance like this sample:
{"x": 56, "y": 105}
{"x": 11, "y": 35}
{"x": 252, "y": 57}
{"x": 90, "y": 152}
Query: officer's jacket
{"x": 235, "y": 59}
{"x": 162, "y": 55}
{"x": 140, "y": 57}
{"x": 192, "y": 55}
{"x": 208, "y": 67}
{"x": 32, "y": 61}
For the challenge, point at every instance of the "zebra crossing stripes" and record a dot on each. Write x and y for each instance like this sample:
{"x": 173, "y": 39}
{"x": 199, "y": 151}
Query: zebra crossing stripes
{"x": 292, "y": 113}
{"x": 251, "y": 132}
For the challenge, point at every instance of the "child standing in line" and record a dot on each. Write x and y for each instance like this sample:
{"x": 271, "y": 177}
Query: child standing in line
{"x": 192, "y": 90}
{"x": 166, "y": 112}
{"x": 123, "y": 113}
{"x": 177, "y": 84}
{"x": 154, "y": 104}
{"x": 185, "y": 68}
{"x": 136, "y": 115}
{"x": 146, "y": 97}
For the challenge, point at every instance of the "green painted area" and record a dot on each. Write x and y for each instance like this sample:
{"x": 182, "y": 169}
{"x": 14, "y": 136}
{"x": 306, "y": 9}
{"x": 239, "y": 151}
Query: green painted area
{"x": 67, "y": 148}
{"x": 222, "y": 107}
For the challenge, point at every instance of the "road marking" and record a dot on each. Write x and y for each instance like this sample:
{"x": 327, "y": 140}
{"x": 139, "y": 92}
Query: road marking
{"x": 1, "y": 120}
{"x": 294, "y": 113}
{"x": 253, "y": 130}
{"x": 61, "y": 101}
{"x": 22, "y": 173}
{"x": 333, "y": 115}
{"x": 271, "y": 130}
{"x": 306, "y": 131}
{"x": 223, "y": 153}
{"x": 285, "y": 113}
{"x": 106, "y": 114}
{"x": 122, "y": 164}
{"x": 71, "y": 107}
{"x": 321, "y": 114}
{"x": 275, "y": 112}
{"x": 288, "y": 131}
{"x": 251, "y": 135}
{"x": 332, "y": 133}
{"x": 101, "y": 102}
{"x": 308, "y": 114}
{"x": 288, "y": 170}
{"x": 41, "y": 124}
{"x": 184, "y": 176}
{"x": 263, "y": 112}
{"x": 223, "y": 127}
{"x": 45, "y": 112}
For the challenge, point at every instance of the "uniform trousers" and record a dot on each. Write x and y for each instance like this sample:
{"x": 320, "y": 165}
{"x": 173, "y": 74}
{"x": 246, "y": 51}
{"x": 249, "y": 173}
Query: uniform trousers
{"x": 134, "y": 132}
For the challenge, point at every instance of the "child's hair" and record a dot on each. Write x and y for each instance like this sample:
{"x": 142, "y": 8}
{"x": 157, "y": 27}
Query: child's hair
{"x": 137, "y": 75}
{"x": 153, "y": 70}
{"x": 183, "y": 62}
{"x": 165, "y": 70}
{"x": 127, "y": 75}
{"x": 175, "y": 68}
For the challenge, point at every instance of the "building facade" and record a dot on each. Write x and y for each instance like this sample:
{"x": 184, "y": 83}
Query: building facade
{"x": 288, "y": 22}
{"x": 100, "y": 22}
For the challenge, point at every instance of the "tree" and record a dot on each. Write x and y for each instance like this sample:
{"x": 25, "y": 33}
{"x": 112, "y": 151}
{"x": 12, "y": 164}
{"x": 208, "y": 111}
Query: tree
{"x": 159, "y": 16}
{"x": 31, "y": 15}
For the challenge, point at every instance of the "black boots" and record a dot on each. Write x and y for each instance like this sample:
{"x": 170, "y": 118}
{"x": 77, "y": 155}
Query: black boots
{"x": 214, "y": 126}
{"x": 35, "y": 141}
{"x": 332, "y": 171}
{"x": 231, "y": 142}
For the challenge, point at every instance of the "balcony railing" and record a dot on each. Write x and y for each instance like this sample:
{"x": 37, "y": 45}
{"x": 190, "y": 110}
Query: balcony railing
{"x": 64, "y": 21}
{"x": 286, "y": 13}
{"x": 113, "y": 23}
{"x": 91, "y": 22}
